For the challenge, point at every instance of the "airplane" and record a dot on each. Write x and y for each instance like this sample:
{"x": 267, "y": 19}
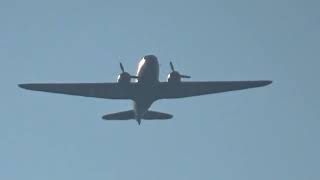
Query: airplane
{"x": 145, "y": 90}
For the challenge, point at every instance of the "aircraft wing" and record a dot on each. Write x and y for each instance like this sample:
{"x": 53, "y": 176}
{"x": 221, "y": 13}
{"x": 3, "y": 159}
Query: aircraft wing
{"x": 98, "y": 90}
{"x": 189, "y": 89}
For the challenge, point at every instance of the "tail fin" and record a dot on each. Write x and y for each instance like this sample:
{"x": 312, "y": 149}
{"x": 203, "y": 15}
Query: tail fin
{"x": 153, "y": 115}
{"x": 126, "y": 115}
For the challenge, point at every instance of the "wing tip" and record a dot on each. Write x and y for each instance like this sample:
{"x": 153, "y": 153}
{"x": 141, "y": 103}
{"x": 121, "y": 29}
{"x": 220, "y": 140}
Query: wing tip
{"x": 27, "y": 86}
{"x": 23, "y": 86}
{"x": 107, "y": 117}
{"x": 268, "y": 82}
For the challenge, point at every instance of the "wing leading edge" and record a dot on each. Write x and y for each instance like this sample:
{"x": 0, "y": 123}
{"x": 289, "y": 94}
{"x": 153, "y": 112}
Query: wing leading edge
{"x": 189, "y": 89}
{"x": 98, "y": 90}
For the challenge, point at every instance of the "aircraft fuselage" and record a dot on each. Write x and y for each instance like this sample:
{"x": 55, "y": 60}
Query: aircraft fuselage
{"x": 148, "y": 78}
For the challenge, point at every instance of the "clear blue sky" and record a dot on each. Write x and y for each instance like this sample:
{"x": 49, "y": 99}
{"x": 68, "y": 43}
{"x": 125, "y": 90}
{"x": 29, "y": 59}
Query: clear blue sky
{"x": 265, "y": 133}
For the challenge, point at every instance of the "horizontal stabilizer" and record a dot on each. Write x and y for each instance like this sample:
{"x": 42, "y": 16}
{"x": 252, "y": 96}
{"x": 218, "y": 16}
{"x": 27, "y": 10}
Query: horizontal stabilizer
{"x": 153, "y": 115}
{"x": 126, "y": 115}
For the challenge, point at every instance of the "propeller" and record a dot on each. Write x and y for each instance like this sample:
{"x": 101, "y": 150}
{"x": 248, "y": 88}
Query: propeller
{"x": 173, "y": 70}
{"x": 172, "y": 67}
{"x": 121, "y": 67}
{"x": 124, "y": 72}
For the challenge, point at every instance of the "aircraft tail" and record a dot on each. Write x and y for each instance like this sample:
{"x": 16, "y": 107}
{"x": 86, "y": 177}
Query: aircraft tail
{"x": 127, "y": 115}
{"x": 153, "y": 115}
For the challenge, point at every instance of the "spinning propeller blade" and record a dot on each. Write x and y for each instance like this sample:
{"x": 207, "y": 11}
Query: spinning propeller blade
{"x": 121, "y": 67}
{"x": 172, "y": 67}
{"x": 181, "y": 76}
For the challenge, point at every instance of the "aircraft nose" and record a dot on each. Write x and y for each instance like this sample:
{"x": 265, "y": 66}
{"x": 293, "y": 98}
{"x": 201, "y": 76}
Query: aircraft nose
{"x": 151, "y": 59}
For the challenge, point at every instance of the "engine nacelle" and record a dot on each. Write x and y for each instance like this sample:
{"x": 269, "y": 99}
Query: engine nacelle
{"x": 174, "y": 77}
{"x": 124, "y": 78}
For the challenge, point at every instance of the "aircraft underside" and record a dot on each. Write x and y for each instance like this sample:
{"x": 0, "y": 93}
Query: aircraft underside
{"x": 145, "y": 90}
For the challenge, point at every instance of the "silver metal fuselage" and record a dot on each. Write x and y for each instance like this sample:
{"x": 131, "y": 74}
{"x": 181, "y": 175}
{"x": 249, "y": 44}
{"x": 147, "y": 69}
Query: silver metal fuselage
{"x": 148, "y": 78}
